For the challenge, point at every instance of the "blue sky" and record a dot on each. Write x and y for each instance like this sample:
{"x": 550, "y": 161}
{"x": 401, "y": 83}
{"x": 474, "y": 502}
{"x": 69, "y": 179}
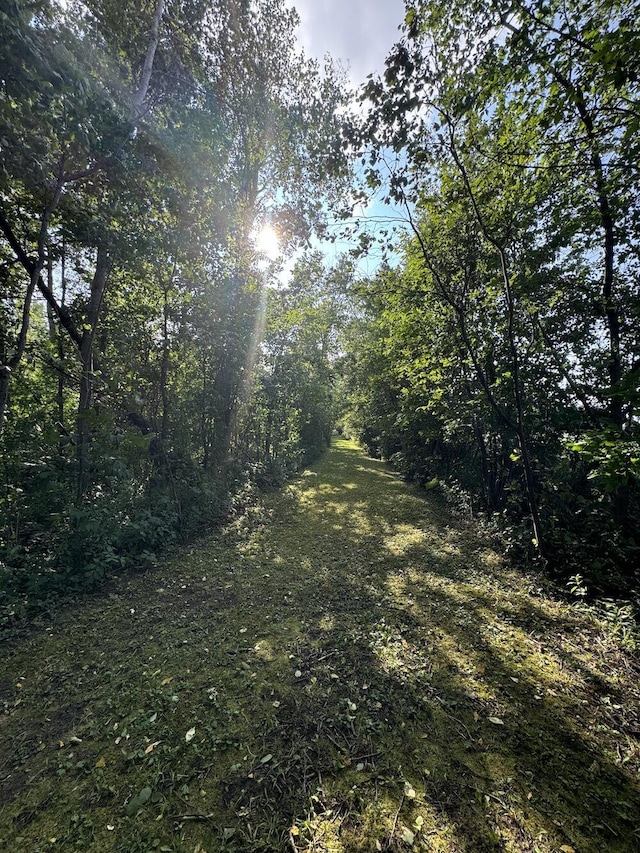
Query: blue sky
{"x": 360, "y": 34}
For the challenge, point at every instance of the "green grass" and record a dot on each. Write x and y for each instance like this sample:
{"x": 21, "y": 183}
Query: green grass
{"x": 347, "y": 667}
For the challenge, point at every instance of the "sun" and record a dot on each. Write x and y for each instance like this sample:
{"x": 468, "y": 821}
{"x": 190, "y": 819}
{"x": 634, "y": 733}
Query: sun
{"x": 267, "y": 243}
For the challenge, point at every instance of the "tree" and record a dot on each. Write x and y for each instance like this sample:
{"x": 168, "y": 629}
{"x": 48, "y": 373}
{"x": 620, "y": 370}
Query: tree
{"x": 142, "y": 146}
{"x": 512, "y": 132}
{"x": 290, "y": 415}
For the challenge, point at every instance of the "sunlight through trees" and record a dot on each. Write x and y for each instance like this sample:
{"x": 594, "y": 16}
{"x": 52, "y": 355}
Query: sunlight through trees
{"x": 168, "y": 337}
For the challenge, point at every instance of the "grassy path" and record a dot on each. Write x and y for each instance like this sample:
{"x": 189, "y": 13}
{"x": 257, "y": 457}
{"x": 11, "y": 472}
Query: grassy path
{"x": 347, "y": 668}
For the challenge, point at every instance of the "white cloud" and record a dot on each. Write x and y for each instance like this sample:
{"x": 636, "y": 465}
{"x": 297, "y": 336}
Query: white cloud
{"x": 360, "y": 33}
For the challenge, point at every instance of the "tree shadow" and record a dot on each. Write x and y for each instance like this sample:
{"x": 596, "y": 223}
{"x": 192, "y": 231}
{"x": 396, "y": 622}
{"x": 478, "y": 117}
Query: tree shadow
{"x": 360, "y": 669}
{"x": 473, "y": 682}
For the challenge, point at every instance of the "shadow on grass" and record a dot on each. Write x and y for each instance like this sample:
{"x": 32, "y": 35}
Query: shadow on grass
{"x": 427, "y": 663}
{"x": 359, "y": 672}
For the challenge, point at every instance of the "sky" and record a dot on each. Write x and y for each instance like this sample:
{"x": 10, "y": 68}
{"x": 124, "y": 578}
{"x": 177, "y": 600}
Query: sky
{"x": 357, "y": 32}
{"x": 360, "y": 34}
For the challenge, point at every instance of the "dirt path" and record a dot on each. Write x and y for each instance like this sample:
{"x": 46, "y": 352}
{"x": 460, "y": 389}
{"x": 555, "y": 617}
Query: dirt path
{"x": 347, "y": 668}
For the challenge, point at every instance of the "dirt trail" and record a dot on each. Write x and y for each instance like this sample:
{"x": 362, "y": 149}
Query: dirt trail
{"x": 346, "y": 668}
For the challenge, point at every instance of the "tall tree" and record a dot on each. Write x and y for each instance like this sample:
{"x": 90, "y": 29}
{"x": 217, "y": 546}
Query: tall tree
{"x": 513, "y": 130}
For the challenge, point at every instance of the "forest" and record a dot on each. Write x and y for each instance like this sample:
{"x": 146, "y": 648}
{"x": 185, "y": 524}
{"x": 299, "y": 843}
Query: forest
{"x": 319, "y": 441}
{"x": 158, "y": 368}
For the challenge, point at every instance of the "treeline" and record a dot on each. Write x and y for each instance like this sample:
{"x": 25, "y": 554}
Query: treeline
{"x": 154, "y": 371}
{"x": 149, "y": 376}
{"x": 502, "y": 355}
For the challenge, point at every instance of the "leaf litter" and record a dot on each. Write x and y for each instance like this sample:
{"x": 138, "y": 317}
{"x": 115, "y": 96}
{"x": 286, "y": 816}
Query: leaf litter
{"x": 355, "y": 716}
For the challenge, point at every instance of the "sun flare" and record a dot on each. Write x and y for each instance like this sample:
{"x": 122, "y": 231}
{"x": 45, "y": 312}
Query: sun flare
{"x": 267, "y": 243}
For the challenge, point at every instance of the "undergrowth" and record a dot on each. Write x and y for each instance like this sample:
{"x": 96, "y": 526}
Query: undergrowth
{"x": 347, "y": 667}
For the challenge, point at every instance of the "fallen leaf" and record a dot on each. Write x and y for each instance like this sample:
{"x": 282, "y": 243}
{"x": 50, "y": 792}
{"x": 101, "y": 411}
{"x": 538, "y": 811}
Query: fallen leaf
{"x": 144, "y": 795}
{"x": 566, "y": 848}
{"x": 135, "y": 802}
{"x": 151, "y": 747}
{"x": 101, "y": 762}
{"x": 190, "y": 734}
{"x": 496, "y": 721}
{"x": 407, "y": 836}
{"x": 265, "y": 759}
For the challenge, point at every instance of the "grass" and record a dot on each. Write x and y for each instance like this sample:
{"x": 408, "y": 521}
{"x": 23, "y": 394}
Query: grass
{"x": 347, "y": 668}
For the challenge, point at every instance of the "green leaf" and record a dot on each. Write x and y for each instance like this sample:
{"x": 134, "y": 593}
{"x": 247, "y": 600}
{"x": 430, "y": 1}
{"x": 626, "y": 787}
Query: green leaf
{"x": 409, "y": 18}
{"x": 139, "y": 800}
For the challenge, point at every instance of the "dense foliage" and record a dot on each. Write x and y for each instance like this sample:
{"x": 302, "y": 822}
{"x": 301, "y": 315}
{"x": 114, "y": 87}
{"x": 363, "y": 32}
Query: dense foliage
{"x": 143, "y": 146}
{"x": 153, "y": 366}
{"x": 502, "y": 355}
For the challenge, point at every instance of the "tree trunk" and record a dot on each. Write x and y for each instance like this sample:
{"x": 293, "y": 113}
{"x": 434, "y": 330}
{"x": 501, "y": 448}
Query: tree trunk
{"x": 164, "y": 367}
{"x": 5, "y": 375}
{"x": 34, "y": 268}
{"x": 98, "y": 287}
{"x": 520, "y": 430}
{"x": 145, "y": 77}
